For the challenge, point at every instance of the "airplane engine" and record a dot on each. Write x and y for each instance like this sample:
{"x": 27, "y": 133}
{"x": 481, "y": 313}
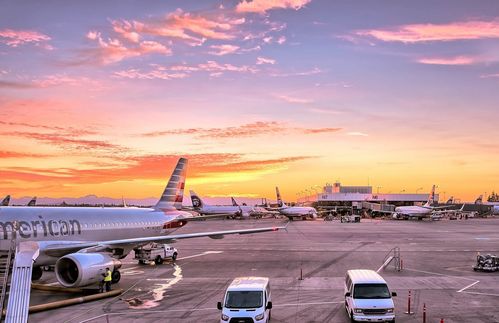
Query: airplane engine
{"x": 82, "y": 269}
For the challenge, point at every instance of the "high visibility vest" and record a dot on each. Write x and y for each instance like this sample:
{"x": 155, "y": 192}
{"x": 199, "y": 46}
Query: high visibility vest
{"x": 108, "y": 277}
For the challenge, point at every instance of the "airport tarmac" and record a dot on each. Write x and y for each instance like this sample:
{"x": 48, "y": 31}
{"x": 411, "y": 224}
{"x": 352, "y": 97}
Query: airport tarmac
{"x": 437, "y": 259}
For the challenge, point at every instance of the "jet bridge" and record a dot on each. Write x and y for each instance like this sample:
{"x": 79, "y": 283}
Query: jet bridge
{"x": 20, "y": 289}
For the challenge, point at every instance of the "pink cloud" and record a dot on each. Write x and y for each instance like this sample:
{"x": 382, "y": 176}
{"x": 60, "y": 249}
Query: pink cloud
{"x": 155, "y": 74}
{"x": 113, "y": 50}
{"x": 281, "y": 40}
{"x": 62, "y": 79}
{"x": 459, "y": 60}
{"x": 489, "y": 76}
{"x": 433, "y": 32}
{"x": 263, "y": 60}
{"x": 126, "y": 30}
{"x": 291, "y": 99}
{"x": 14, "y": 38}
{"x": 313, "y": 71}
{"x": 223, "y": 49}
{"x": 261, "y": 6}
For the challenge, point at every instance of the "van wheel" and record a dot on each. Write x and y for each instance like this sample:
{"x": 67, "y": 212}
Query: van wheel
{"x": 352, "y": 320}
{"x": 174, "y": 257}
{"x": 158, "y": 260}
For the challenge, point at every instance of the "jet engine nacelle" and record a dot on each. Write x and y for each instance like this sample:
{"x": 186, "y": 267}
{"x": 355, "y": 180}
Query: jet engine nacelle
{"x": 82, "y": 269}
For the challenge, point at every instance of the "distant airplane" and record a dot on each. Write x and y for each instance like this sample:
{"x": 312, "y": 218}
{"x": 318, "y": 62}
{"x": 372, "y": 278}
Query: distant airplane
{"x": 205, "y": 209}
{"x": 5, "y": 201}
{"x": 420, "y": 212}
{"x": 256, "y": 211}
{"x": 479, "y": 200}
{"x": 32, "y": 202}
{"x": 450, "y": 200}
{"x": 293, "y": 212}
{"x": 82, "y": 241}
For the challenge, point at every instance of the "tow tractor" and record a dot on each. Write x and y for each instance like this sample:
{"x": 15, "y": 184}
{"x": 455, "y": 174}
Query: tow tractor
{"x": 156, "y": 252}
{"x": 486, "y": 263}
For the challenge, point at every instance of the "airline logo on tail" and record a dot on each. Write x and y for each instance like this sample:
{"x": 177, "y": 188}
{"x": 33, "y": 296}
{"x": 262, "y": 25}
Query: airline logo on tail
{"x": 5, "y": 201}
{"x": 280, "y": 203}
{"x": 174, "y": 191}
{"x": 197, "y": 203}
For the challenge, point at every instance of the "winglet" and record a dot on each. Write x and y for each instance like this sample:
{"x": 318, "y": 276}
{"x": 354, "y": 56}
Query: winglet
{"x": 174, "y": 191}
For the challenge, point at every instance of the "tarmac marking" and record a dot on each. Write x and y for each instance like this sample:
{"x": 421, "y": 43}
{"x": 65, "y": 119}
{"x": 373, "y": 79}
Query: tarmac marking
{"x": 303, "y": 304}
{"x": 470, "y": 285}
{"x": 201, "y": 254}
{"x": 477, "y": 293}
{"x": 438, "y": 274}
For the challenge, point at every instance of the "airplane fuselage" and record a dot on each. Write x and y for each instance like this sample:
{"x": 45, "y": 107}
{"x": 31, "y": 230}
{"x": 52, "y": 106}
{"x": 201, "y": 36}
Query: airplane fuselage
{"x": 415, "y": 210}
{"x": 297, "y": 211}
{"x": 62, "y": 225}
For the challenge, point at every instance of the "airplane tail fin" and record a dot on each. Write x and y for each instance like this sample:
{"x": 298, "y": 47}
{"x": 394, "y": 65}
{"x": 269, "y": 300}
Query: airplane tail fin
{"x": 280, "y": 203}
{"x": 5, "y": 201}
{"x": 479, "y": 200}
{"x": 431, "y": 198}
{"x": 174, "y": 191}
{"x": 234, "y": 203}
{"x": 32, "y": 202}
{"x": 197, "y": 202}
{"x": 450, "y": 200}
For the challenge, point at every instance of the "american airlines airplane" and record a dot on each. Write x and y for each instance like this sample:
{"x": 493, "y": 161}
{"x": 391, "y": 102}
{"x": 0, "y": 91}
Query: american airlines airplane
{"x": 419, "y": 212}
{"x": 81, "y": 242}
{"x": 293, "y": 212}
{"x": 256, "y": 211}
{"x": 32, "y": 202}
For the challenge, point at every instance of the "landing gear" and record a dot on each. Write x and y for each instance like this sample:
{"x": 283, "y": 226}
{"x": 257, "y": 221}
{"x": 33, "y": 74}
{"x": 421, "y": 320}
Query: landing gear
{"x": 36, "y": 273}
{"x": 115, "y": 276}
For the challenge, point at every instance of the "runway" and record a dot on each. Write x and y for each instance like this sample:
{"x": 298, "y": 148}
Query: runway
{"x": 437, "y": 259}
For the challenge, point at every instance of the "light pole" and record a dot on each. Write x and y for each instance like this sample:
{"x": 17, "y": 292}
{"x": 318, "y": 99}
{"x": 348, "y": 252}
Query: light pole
{"x": 377, "y": 191}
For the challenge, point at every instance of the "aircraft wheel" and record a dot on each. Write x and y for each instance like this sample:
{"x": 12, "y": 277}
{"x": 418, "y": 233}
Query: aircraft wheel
{"x": 36, "y": 273}
{"x": 115, "y": 276}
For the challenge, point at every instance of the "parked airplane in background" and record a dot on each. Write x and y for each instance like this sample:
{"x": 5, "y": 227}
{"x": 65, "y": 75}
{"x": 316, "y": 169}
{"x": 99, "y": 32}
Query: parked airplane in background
{"x": 479, "y": 200}
{"x": 32, "y": 202}
{"x": 450, "y": 200}
{"x": 293, "y": 212}
{"x": 420, "y": 212}
{"x": 81, "y": 242}
{"x": 5, "y": 201}
{"x": 201, "y": 207}
{"x": 256, "y": 211}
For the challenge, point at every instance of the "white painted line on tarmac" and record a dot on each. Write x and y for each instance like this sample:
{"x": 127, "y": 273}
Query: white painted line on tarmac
{"x": 438, "y": 274}
{"x": 470, "y": 285}
{"x": 477, "y": 293}
{"x": 302, "y": 304}
{"x": 201, "y": 254}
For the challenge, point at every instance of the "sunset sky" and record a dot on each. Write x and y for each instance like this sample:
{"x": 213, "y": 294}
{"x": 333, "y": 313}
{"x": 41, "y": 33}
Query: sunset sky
{"x": 101, "y": 97}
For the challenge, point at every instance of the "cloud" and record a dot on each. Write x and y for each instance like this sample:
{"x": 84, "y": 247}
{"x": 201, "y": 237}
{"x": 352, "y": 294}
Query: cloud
{"x": 13, "y": 154}
{"x": 262, "y": 6}
{"x": 113, "y": 50}
{"x": 126, "y": 30}
{"x": 313, "y": 71}
{"x": 214, "y": 69}
{"x": 291, "y": 99}
{"x": 484, "y": 76}
{"x": 152, "y": 167}
{"x": 223, "y": 49}
{"x": 30, "y": 125}
{"x": 324, "y": 111}
{"x": 356, "y": 133}
{"x": 62, "y": 79}
{"x": 15, "y": 38}
{"x": 436, "y": 32}
{"x": 281, "y": 40}
{"x": 459, "y": 60}
{"x": 15, "y": 85}
{"x": 254, "y": 129}
{"x": 263, "y": 60}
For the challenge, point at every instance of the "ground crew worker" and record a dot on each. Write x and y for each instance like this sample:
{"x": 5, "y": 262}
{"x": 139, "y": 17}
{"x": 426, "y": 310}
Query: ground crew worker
{"x": 107, "y": 279}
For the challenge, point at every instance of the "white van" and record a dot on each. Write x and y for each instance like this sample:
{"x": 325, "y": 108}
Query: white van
{"x": 247, "y": 300}
{"x": 367, "y": 297}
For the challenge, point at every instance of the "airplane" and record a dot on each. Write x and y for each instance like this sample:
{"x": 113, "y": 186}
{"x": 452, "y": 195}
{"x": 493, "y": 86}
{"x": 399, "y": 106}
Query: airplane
{"x": 228, "y": 210}
{"x": 293, "y": 212}
{"x": 256, "y": 211}
{"x": 479, "y": 200}
{"x": 82, "y": 241}
{"x": 450, "y": 200}
{"x": 420, "y": 212}
{"x": 5, "y": 201}
{"x": 32, "y": 202}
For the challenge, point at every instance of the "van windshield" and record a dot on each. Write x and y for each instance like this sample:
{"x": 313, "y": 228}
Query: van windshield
{"x": 243, "y": 299}
{"x": 371, "y": 291}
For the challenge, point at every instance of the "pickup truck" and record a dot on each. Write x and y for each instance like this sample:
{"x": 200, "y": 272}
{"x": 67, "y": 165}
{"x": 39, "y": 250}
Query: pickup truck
{"x": 155, "y": 252}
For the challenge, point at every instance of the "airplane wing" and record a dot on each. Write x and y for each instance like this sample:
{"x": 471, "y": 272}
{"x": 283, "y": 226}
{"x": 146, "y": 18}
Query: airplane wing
{"x": 64, "y": 249}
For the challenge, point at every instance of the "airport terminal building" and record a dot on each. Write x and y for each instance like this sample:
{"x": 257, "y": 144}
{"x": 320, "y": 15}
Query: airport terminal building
{"x": 336, "y": 194}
